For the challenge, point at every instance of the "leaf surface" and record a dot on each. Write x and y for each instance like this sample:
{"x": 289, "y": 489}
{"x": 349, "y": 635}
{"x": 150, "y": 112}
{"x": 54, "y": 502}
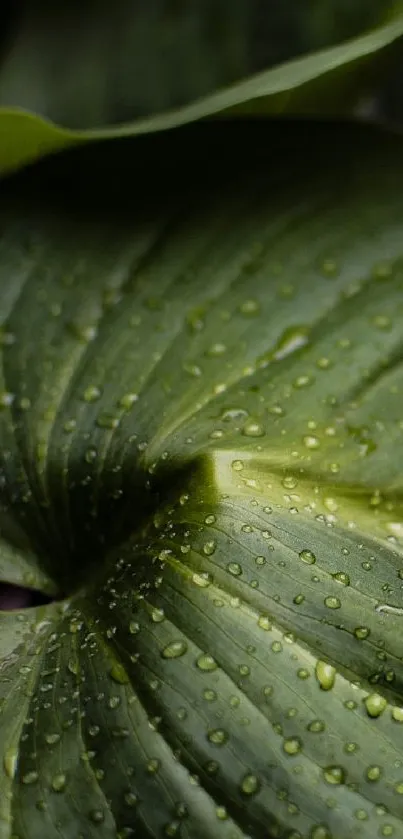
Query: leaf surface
{"x": 201, "y": 444}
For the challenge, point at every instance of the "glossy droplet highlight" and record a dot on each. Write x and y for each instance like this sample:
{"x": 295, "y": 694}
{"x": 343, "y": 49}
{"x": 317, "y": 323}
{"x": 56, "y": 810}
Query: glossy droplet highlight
{"x": 325, "y": 674}
{"x": 375, "y": 704}
{"x": 307, "y": 556}
{"x": 175, "y": 649}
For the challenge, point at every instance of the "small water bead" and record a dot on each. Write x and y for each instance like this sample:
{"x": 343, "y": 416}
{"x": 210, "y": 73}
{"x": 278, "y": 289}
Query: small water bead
{"x": 202, "y": 580}
{"x": 332, "y": 602}
{"x": 292, "y": 745}
{"x": 118, "y": 673}
{"x": 59, "y": 782}
{"x": 107, "y": 421}
{"x": 387, "y": 830}
{"x": 334, "y": 775}
{"x": 134, "y": 627}
{"x": 127, "y": 401}
{"x": 51, "y": 739}
{"x": 277, "y": 647}
{"x": 234, "y": 568}
{"x": 153, "y": 766}
{"x": 157, "y": 614}
{"x": 265, "y": 623}
{"x": 342, "y": 578}
{"x": 375, "y": 704}
{"x": 237, "y": 465}
{"x": 397, "y": 714}
{"x": 373, "y": 773}
{"x": 30, "y": 777}
{"x": 316, "y": 726}
{"x": 250, "y": 784}
{"x": 221, "y": 813}
{"x": 361, "y": 632}
{"x": 6, "y": 399}
{"x": 249, "y": 307}
{"x": 97, "y": 816}
{"x": 210, "y": 519}
{"x": 10, "y": 762}
{"x": 206, "y": 663}
{"x": 311, "y": 442}
{"x": 252, "y": 428}
{"x": 307, "y": 556}
{"x": 320, "y": 831}
{"x": 289, "y": 482}
{"x": 91, "y": 394}
{"x": 174, "y": 649}
{"x": 209, "y": 547}
{"x": 209, "y": 695}
{"x": 91, "y": 455}
{"x": 131, "y": 799}
{"x": 382, "y": 322}
{"x": 298, "y": 599}
{"x": 302, "y": 381}
{"x": 303, "y": 673}
{"x": 325, "y": 674}
{"x": 232, "y": 414}
{"x": 350, "y": 748}
{"x": 218, "y": 736}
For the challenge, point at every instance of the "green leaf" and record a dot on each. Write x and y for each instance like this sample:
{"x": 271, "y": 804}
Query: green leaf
{"x": 332, "y": 80}
{"x": 201, "y": 447}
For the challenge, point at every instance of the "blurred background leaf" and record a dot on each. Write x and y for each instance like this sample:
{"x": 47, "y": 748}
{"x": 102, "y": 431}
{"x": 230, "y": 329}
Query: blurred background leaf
{"x": 90, "y": 64}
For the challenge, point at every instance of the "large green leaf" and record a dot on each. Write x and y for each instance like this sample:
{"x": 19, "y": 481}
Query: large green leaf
{"x": 201, "y": 445}
{"x": 332, "y": 80}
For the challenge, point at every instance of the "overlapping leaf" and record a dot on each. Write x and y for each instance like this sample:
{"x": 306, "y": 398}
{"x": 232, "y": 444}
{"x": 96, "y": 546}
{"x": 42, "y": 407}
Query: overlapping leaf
{"x": 331, "y": 80}
{"x": 201, "y": 443}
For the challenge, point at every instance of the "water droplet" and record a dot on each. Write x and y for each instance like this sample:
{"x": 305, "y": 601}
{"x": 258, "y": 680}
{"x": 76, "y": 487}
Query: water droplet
{"x": 311, "y": 442}
{"x": 30, "y": 778}
{"x": 127, "y": 401}
{"x": 218, "y": 736}
{"x": 237, "y": 465}
{"x": 51, "y": 739}
{"x": 91, "y": 393}
{"x": 397, "y": 714}
{"x": 59, "y": 782}
{"x": 292, "y": 745}
{"x": 265, "y": 623}
{"x": 250, "y": 784}
{"x": 174, "y": 649}
{"x": 334, "y": 775}
{"x": 10, "y": 762}
{"x": 325, "y": 674}
{"x": 332, "y": 602}
{"x": 361, "y": 632}
{"x": 249, "y": 307}
{"x": 6, "y": 399}
{"x": 234, "y": 568}
{"x": 118, "y": 673}
{"x": 307, "y": 556}
{"x": 375, "y": 704}
{"x": 206, "y": 663}
{"x": 342, "y": 578}
{"x": 209, "y": 547}
{"x": 373, "y": 773}
{"x": 153, "y": 766}
{"x": 316, "y": 726}
{"x": 97, "y": 816}
{"x": 251, "y": 428}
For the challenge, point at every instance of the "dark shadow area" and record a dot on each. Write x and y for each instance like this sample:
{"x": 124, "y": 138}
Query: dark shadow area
{"x": 14, "y": 598}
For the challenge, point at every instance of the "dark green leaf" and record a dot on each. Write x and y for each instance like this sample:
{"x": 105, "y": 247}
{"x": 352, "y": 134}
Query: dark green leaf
{"x": 201, "y": 441}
